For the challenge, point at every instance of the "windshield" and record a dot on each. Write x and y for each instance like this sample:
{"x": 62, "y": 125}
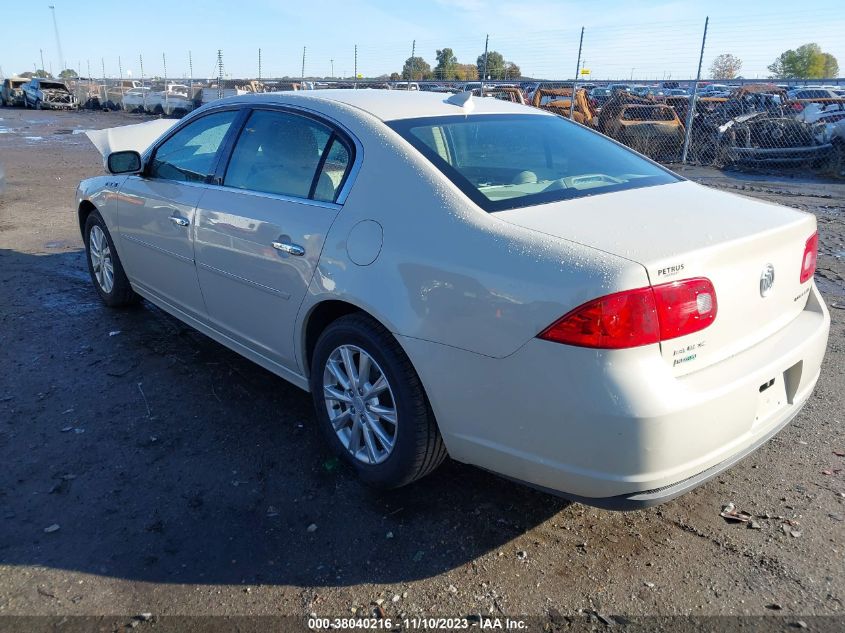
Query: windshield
{"x": 51, "y": 85}
{"x": 507, "y": 161}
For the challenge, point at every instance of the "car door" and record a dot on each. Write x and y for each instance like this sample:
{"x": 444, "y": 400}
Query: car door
{"x": 156, "y": 211}
{"x": 260, "y": 234}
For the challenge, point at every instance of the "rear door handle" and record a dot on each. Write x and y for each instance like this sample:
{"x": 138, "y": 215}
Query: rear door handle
{"x": 180, "y": 221}
{"x": 290, "y": 249}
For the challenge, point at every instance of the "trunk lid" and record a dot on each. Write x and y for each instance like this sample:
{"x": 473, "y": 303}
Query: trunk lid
{"x": 684, "y": 230}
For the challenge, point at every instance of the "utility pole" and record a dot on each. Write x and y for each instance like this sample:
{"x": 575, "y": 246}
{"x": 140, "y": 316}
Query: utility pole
{"x": 332, "y": 69}
{"x": 411, "y": 71}
{"x": 58, "y": 41}
{"x": 164, "y": 65}
{"x": 575, "y": 82}
{"x": 356, "y": 67}
{"x": 694, "y": 96}
{"x": 219, "y": 73}
{"x": 303, "y": 64}
{"x": 41, "y": 50}
{"x": 259, "y": 65}
{"x": 484, "y": 74}
{"x": 120, "y": 75}
{"x": 103, "y": 64}
{"x": 191, "y": 74}
{"x": 143, "y": 92}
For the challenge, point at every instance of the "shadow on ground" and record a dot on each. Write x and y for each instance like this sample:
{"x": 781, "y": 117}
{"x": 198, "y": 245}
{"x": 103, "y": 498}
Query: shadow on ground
{"x": 164, "y": 457}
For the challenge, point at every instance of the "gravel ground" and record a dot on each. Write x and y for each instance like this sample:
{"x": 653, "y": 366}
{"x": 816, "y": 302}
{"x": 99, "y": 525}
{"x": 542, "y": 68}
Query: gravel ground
{"x": 147, "y": 469}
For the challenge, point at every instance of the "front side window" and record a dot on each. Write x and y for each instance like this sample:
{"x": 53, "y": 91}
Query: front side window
{"x": 504, "y": 161}
{"x": 190, "y": 154}
{"x": 288, "y": 154}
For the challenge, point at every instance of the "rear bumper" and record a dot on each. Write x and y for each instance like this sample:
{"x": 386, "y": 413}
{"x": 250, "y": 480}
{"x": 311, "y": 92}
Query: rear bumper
{"x": 615, "y": 428}
{"x": 649, "y": 498}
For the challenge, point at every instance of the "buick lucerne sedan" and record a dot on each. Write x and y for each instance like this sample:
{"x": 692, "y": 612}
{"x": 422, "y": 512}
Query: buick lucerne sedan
{"x": 474, "y": 278}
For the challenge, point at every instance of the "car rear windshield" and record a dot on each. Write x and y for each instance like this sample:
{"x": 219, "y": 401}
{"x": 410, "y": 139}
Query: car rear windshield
{"x": 504, "y": 161}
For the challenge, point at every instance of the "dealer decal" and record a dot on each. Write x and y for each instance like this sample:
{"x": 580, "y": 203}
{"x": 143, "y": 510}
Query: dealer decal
{"x": 670, "y": 270}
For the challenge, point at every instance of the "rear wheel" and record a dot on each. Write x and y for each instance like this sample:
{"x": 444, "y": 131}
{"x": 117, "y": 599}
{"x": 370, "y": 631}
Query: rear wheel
{"x": 104, "y": 265}
{"x": 371, "y": 406}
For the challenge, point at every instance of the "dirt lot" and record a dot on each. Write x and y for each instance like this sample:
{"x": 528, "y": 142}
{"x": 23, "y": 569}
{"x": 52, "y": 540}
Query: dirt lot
{"x": 185, "y": 480}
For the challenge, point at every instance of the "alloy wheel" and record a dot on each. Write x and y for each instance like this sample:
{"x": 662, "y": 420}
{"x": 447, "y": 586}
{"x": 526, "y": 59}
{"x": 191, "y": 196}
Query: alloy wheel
{"x": 360, "y": 404}
{"x": 101, "y": 260}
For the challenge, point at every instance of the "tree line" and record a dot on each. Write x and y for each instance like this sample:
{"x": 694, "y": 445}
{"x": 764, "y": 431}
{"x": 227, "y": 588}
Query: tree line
{"x": 806, "y": 62}
{"x": 448, "y": 68}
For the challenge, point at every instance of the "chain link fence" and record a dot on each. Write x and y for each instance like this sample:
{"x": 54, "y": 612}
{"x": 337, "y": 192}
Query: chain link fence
{"x": 656, "y": 86}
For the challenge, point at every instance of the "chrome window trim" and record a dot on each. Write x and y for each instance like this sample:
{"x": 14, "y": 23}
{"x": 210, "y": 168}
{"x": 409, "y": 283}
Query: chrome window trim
{"x": 296, "y": 109}
{"x": 333, "y": 206}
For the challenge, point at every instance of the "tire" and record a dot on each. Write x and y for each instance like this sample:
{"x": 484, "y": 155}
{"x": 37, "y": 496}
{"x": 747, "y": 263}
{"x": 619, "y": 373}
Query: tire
{"x": 38, "y": 104}
{"x": 119, "y": 293}
{"x": 417, "y": 447}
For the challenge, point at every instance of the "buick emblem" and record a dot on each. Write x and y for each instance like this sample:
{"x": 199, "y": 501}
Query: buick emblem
{"x": 767, "y": 280}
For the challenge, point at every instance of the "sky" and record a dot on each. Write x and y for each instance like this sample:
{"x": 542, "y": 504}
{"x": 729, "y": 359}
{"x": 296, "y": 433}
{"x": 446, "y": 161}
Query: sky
{"x": 643, "y": 39}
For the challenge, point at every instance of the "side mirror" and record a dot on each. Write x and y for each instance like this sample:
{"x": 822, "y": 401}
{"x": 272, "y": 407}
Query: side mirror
{"x": 124, "y": 162}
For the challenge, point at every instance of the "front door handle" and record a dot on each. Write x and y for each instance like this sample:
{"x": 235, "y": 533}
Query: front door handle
{"x": 290, "y": 249}
{"x": 180, "y": 221}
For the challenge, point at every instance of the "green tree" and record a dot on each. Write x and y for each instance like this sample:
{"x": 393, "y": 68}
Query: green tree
{"x": 43, "y": 74}
{"x": 725, "y": 66}
{"x": 447, "y": 64}
{"x": 416, "y": 68}
{"x": 394, "y": 77}
{"x": 495, "y": 65}
{"x": 466, "y": 72}
{"x": 512, "y": 71}
{"x": 830, "y": 67}
{"x": 805, "y": 62}
{"x": 68, "y": 73}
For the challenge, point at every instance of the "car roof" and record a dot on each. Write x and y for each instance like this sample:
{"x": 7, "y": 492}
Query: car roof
{"x": 393, "y": 105}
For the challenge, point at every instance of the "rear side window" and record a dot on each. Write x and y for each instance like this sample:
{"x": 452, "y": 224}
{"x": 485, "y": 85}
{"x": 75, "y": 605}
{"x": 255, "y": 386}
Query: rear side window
{"x": 190, "y": 154}
{"x": 288, "y": 154}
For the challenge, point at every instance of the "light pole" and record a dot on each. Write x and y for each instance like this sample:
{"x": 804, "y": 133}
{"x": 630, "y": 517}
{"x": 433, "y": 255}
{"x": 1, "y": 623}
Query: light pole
{"x": 58, "y": 41}
{"x": 332, "y": 69}
{"x": 632, "y": 74}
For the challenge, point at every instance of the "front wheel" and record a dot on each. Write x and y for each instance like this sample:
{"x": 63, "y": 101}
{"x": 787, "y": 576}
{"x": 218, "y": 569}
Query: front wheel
{"x": 104, "y": 265}
{"x": 371, "y": 406}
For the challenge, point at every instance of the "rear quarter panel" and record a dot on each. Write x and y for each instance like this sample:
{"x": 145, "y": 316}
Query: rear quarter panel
{"x": 447, "y": 271}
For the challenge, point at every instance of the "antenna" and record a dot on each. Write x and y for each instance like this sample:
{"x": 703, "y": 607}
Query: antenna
{"x": 463, "y": 100}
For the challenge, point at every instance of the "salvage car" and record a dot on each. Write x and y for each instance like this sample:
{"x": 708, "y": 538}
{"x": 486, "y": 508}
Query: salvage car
{"x": 11, "y": 94}
{"x": 653, "y": 129}
{"x": 49, "y": 94}
{"x": 542, "y": 302}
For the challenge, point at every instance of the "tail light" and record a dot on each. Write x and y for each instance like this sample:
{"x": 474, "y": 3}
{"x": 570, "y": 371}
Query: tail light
{"x": 638, "y": 317}
{"x": 797, "y": 107}
{"x": 811, "y": 255}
